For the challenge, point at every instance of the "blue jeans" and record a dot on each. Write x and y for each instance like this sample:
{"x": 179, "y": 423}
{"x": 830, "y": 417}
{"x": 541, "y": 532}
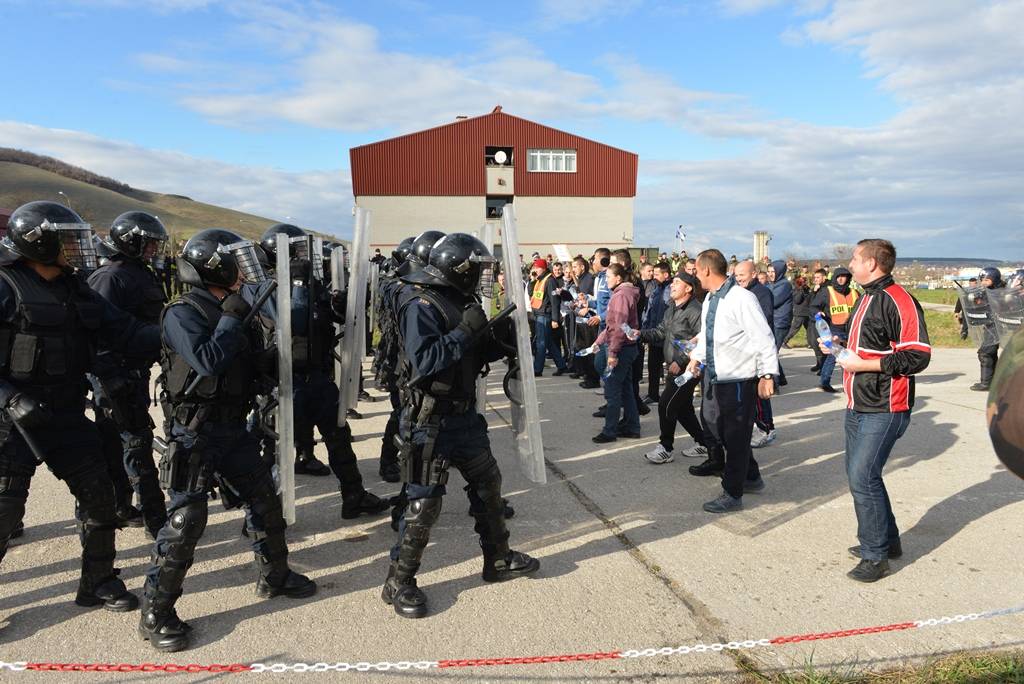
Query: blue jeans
{"x": 618, "y": 392}
{"x": 543, "y": 341}
{"x": 869, "y": 441}
{"x": 829, "y": 364}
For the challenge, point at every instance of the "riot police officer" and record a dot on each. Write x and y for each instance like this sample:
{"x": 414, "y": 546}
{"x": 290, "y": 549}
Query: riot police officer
{"x": 51, "y": 323}
{"x": 385, "y": 359}
{"x": 316, "y": 396}
{"x": 445, "y": 346}
{"x": 207, "y": 335}
{"x": 128, "y": 282}
{"x": 991, "y": 278}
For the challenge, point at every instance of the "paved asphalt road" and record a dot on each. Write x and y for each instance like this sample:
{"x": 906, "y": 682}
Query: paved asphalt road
{"x": 629, "y": 559}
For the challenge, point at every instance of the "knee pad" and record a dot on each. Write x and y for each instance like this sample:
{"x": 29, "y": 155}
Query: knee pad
{"x": 188, "y": 522}
{"x": 423, "y": 512}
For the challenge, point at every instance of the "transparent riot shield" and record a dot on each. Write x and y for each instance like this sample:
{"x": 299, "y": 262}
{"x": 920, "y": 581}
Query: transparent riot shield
{"x": 284, "y": 422}
{"x": 1007, "y": 306}
{"x": 486, "y": 235}
{"x": 374, "y": 296}
{"x": 522, "y": 388}
{"x": 978, "y": 314}
{"x": 339, "y": 283}
{"x": 354, "y": 343}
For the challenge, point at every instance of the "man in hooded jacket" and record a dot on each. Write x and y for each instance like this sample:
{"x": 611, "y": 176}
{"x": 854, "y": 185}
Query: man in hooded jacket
{"x": 835, "y": 302}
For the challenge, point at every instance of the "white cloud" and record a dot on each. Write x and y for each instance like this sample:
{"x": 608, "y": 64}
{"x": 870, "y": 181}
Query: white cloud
{"x": 318, "y": 199}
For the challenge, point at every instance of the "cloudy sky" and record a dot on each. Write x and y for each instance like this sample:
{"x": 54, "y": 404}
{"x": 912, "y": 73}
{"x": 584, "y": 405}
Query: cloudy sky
{"x": 820, "y": 121}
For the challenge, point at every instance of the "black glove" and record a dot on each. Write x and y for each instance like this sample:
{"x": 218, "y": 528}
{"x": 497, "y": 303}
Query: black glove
{"x": 299, "y": 269}
{"x": 339, "y": 303}
{"x": 234, "y": 305}
{"x": 27, "y": 412}
{"x": 473, "y": 320}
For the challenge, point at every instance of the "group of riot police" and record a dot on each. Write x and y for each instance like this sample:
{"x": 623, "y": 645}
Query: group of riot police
{"x": 989, "y": 314}
{"x": 70, "y": 326}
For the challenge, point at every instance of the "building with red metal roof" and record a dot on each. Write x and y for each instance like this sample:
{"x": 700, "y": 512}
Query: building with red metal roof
{"x": 566, "y": 189}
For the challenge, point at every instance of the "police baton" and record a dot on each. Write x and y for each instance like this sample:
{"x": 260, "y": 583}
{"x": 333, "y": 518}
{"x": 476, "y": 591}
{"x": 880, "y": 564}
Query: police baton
{"x": 30, "y": 441}
{"x": 260, "y": 301}
{"x": 501, "y": 315}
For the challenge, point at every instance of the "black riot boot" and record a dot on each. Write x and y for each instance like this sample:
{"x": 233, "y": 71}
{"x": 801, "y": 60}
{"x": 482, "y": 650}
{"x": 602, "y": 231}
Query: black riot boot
{"x": 400, "y": 588}
{"x": 110, "y": 593}
{"x": 359, "y": 503}
{"x": 160, "y": 625}
{"x": 307, "y": 464}
{"x": 488, "y": 508}
{"x": 509, "y": 565}
{"x": 275, "y": 577}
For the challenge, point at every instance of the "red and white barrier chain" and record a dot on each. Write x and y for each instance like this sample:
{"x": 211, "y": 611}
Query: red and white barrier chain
{"x": 23, "y": 666}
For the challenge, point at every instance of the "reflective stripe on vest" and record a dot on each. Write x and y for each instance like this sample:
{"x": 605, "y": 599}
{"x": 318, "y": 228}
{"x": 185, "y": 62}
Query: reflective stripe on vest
{"x": 839, "y": 306}
{"x": 537, "y": 298}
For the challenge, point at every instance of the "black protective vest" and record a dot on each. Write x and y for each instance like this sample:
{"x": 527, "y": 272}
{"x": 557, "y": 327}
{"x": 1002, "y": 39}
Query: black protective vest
{"x": 385, "y": 359}
{"x": 52, "y": 340}
{"x": 456, "y": 383}
{"x": 233, "y": 388}
{"x": 314, "y": 352}
{"x": 149, "y": 297}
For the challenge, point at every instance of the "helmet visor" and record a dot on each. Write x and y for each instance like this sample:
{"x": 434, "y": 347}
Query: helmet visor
{"x": 301, "y": 250}
{"x": 77, "y": 245}
{"x": 249, "y": 266}
{"x": 488, "y": 264}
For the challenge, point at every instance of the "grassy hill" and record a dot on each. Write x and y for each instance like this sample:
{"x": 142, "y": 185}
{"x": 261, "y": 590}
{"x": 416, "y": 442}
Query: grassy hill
{"x": 183, "y": 217}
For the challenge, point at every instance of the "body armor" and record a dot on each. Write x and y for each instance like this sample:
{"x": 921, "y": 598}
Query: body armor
{"x": 51, "y": 345}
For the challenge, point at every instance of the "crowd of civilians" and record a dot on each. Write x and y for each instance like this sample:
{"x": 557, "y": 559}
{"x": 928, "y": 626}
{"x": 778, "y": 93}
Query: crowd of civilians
{"x": 711, "y": 328}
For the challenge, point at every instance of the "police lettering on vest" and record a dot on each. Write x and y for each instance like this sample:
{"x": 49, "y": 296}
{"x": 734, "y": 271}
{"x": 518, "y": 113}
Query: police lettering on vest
{"x": 840, "y": 306}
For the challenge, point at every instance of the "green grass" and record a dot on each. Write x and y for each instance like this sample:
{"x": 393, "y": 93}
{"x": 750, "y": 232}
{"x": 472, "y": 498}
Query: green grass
{"x": 947, "y": 296}
{"x": 20, "y": 183}
{"x": 984, "y": 668}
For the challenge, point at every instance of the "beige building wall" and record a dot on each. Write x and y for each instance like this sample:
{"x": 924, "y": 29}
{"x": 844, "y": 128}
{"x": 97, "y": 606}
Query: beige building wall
{"x": 580, "y": 223}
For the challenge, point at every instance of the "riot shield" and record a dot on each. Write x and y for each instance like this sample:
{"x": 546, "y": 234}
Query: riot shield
{"x": 1007, "y": 306}
{"x": 285, "y": 392}
{"x": 978, "y": 314}
{"x": 486, "y": 235}
{"x": 354, "y": 343}
{"x": 374, "y": 296}
{"x": 522, "y": 388}
{"x": 340, "y": 284}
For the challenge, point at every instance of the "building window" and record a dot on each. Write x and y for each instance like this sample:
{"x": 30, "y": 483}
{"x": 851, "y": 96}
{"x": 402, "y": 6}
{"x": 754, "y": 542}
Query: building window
{"x": 498, "y": 156}
{"x": 552, "y": 161}
{"x": 495, "y": 205}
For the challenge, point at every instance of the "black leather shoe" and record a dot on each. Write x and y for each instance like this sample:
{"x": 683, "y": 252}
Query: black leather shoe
{"x": 643, "y": 409}
{"x": 130, "y": 516}
{"x": 390, "y": 472}
{"x": 601, "y": 438}
{"x": 293, "y": 586}
{"x": 366, "y": 504}
{"x": 628, "y": 434}
{"x": 816, "y": 369}
{"x": 979, "y": 387}
{"x": 164, "y": 632}
{"x": 869, "y": 571}
{"x": 895, "y": 550}
{"x": 707, "y": 468}
{"x": 515, "y": 564}
{"x": 590, "y": 384}
{"x": 408, "y": 600}
{"x": 560, "y": 371}
{"x": 538, "y": 375}
{"x": 828, "y": 388}
{"x": 600, "y": 413}
{"x": 354, "y": 415}
{"x": 575, "y": 376}
{"x": 110, "y": 593}
{"x": 311, "y": 466}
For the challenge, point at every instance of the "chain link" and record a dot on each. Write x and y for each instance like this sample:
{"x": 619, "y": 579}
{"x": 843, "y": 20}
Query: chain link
{"x": 17, "y": 666}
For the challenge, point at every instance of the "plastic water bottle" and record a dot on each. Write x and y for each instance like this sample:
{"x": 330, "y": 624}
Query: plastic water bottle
{"x": 631, "y": 333}
{"x": 685, "y": 346}
{"x": 825, "y": 337}
{"x": 587, "y": 351}
{"x": 688, "y": 376}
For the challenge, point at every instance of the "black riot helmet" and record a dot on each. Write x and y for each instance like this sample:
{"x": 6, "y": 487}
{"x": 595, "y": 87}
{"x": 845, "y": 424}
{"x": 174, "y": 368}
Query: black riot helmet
{"x": 993, "y": 274}
{"x": 419, "y": 252}
{"x": 138, "y": 235}
{"x": 399, "y": 253}
{"x": 269, "y": 239}
{"x": 216, "y": 257}
{"x": 460, "y": 261}
{"x": 103, "y": 250}
{"x": 42, "y": 231}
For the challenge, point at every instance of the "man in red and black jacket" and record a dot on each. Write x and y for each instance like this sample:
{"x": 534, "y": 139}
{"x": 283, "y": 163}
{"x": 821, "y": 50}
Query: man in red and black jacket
{"x": 889, "y": 339}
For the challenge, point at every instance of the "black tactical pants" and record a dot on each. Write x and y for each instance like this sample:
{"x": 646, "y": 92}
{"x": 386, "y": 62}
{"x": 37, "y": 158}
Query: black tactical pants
{"x": 987, "y": 356}
{"x": 316, "y": 404}
{"x": 70, "y": 447}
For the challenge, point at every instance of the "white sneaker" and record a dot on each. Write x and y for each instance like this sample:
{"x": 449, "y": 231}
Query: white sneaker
{"x": 659, "y": 455}
{"x": 696, "y": 452}
{"x": 761, "y": 438}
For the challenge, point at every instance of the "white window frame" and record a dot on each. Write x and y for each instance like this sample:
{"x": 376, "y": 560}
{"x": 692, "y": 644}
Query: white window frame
{"x": 551, "y": 161}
